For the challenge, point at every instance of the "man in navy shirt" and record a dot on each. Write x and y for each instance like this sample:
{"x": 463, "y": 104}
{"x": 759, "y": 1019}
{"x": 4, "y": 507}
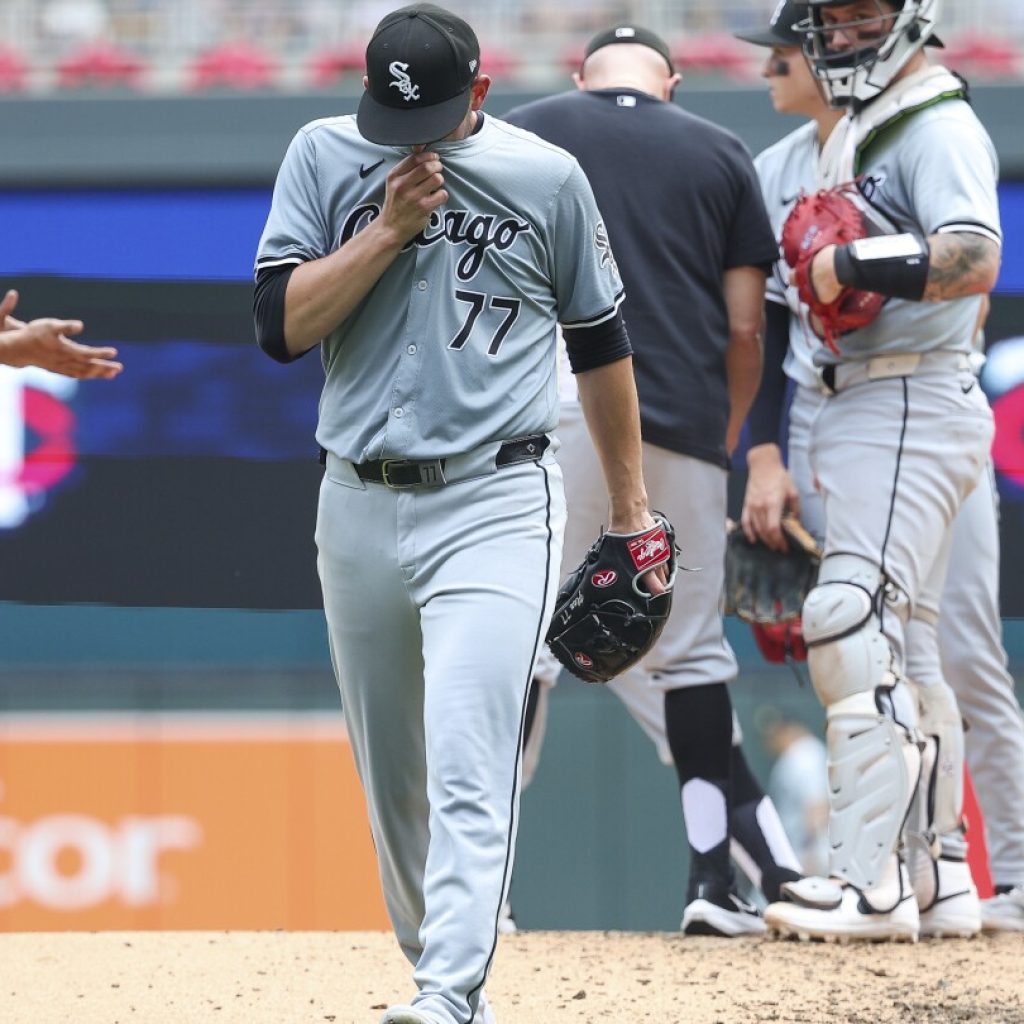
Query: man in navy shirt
{"x": 693, "y": 243}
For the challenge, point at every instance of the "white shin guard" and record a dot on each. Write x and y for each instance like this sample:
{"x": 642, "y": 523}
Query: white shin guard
{"x": 874, "y": 761}
{"x": 873, "y": 772}
{"x": 942, "y": 775}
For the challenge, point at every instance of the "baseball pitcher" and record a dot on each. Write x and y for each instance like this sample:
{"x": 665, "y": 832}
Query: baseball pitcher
{"x": 430, "y": 250}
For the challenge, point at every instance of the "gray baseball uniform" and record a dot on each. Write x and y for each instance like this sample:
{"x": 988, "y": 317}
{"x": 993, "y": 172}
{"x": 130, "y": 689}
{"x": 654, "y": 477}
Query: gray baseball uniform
{"x": 970, "y": 630}
{"x": 894, "y": 450}
{"x": 437, "y": 597}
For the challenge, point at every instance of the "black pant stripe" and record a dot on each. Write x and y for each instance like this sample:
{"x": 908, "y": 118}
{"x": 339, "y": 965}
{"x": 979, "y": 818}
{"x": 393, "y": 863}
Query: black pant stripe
{"x": 538, "y": 639}
{"x": 892, "y": 499}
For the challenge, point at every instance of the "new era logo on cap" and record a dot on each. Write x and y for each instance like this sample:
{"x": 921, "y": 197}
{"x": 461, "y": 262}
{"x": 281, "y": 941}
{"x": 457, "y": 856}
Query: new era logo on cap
{"x": 420, "y": 67}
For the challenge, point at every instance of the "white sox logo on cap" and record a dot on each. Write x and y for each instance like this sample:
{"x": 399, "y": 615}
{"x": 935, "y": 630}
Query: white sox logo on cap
{"x": 402, "y": 82}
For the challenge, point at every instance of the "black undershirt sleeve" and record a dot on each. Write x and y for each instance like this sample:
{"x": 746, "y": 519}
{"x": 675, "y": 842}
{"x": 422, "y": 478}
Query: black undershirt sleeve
{"x": 591, "y": 347}
{"x": 268, "y": 311}
{"x": 765, "y": 417}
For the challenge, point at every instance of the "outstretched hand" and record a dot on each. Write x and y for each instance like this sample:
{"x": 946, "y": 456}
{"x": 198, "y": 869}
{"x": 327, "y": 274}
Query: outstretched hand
{"x": 47, "y": 343}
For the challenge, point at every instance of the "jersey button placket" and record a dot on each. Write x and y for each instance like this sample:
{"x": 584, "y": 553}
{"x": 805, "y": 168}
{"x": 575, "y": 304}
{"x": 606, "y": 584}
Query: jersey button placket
{"x": 407, "y": 377}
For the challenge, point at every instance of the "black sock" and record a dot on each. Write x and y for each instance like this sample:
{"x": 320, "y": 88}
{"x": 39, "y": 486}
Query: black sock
{"x": 698, "y": 721}
{"x": 531, "y": 709}
{"x": 745, "y": 827}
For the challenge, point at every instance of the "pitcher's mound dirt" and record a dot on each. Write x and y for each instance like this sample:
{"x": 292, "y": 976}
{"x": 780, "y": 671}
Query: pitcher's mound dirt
{"x": 538, "y": 978}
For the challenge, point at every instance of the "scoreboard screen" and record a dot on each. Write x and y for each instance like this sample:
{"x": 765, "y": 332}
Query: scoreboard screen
{"x": 191, "y": 480}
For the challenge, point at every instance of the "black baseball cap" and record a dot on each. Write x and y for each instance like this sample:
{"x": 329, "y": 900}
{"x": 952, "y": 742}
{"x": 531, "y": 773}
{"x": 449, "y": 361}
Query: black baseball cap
{"x": 420, "y": 65}
{"x": 780, "y": 30}
{"x": 630, "y": 34}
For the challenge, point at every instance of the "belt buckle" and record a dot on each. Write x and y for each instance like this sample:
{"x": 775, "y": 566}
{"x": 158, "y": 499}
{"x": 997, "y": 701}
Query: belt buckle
{"x": 896, "y": 364}
{"x": 431, "y": 473}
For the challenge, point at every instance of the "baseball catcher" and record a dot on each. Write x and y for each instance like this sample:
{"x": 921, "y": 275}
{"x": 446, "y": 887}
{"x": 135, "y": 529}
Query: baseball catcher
{"x": 604, "y": 620}
{"x": 828, "y": 217}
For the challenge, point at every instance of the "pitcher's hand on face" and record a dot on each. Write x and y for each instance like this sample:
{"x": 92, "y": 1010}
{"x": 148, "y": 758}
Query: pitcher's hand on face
{"x": 414, "y": 191}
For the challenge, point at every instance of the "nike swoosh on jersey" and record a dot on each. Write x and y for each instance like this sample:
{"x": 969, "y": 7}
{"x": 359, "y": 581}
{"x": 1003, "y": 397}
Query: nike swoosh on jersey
{"x": 788, "y": 200}
{"x": 365, "y": 172}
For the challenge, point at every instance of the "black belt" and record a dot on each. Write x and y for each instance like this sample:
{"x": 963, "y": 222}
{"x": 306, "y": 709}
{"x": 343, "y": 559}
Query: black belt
{"x": 430, "y": 472}
{"x": 828, "y": 376}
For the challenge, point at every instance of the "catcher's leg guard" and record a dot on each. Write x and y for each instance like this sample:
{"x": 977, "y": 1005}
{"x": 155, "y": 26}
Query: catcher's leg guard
{"x": 874, "y": 762}
{"x": 936, "y": 844}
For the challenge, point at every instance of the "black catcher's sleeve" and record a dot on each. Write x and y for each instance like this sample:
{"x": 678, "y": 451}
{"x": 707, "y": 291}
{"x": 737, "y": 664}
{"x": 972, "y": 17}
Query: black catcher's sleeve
{"x": 765, "y": 418}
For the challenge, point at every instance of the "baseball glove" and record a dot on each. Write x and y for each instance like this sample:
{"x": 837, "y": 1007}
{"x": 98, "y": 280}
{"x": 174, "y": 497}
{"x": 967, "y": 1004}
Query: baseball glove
{"x": 828, "y": 217}
{"x": 604, "y": 622}
{"x": 767, "y": 586}
{"x": 780, "y": 642}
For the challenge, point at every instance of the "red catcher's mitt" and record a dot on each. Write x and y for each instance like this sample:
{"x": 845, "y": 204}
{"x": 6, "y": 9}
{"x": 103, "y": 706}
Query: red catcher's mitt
{"x": 828, "y": 217}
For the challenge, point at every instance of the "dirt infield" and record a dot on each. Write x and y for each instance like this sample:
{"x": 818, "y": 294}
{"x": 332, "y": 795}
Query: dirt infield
{"x": 539, "y": 977}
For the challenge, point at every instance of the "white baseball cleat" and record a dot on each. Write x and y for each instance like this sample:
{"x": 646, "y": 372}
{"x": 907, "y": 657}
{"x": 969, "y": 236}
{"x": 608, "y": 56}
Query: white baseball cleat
{"x": 834, "y": 911}
{"x": 717, "y": 911}
{"x": 404, "y": 1015}
{"x": 484, "y": 1013}
{"x": 1005, "y": 912}
{"x": 506, "y": 920}
{"x": 955, "y": 910}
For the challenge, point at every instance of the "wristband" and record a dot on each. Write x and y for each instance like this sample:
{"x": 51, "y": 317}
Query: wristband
{"x": 894, "y": 265}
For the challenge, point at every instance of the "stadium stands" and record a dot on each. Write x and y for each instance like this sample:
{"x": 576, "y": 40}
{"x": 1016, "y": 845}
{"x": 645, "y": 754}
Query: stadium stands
{"x": 100, "y": 65}
{"x": 182, "y": 45}
{"x": 13, "y": 72}
{"x": 233, "y": 66}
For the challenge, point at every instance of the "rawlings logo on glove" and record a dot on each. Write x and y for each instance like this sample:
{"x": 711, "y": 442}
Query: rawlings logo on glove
{"x": 828, "y": 217}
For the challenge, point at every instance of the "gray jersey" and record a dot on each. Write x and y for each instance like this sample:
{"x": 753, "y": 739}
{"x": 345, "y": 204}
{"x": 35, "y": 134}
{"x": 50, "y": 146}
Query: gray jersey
{"x": 465, "y": 317}
{"x": 785, "y": 170}
{"x": 935, "y": 171}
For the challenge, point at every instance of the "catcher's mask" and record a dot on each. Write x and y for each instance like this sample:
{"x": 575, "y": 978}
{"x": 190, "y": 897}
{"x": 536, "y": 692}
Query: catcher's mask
{"x": 857, "y": 47}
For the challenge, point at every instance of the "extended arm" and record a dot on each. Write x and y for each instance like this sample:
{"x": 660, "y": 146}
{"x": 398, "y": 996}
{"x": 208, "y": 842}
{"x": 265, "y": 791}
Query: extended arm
{"x": 45, "y": 343}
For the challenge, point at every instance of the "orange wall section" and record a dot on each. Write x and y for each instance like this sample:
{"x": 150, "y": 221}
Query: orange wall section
{"x": 182, "y": 822}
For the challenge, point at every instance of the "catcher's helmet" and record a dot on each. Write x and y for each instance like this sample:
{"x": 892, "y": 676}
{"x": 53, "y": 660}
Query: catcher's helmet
{"x": 860, "y": 61}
